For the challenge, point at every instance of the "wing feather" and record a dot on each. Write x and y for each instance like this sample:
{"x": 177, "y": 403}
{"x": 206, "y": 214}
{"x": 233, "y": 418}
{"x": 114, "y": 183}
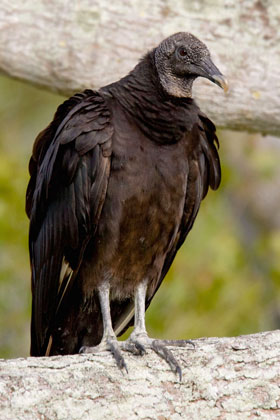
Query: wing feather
{"x": 69, "y": 175}
{"x": 204, "y": 171}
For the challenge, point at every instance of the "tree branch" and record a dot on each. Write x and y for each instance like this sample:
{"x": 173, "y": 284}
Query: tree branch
{"x": 68, "y": 46}
{"x": 223, "y": 378}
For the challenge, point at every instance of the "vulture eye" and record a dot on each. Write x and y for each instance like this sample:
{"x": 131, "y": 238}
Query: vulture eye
{"x": 182, "y": 52}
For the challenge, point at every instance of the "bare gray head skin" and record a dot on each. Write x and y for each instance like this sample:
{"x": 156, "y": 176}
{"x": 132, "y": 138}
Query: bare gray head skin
{"x": 180, "y": 59}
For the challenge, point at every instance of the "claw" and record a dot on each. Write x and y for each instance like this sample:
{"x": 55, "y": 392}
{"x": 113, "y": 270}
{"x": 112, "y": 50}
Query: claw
{"x": 115, "y": 350}
{"x": 140, "y": 347}
{"x": 179, "y": 372}
{"x": 166, "y": 354}
{"x": 109, "y": 345}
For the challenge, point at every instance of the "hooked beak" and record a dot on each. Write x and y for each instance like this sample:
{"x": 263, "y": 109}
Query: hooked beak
{"x": 208, "y": 70}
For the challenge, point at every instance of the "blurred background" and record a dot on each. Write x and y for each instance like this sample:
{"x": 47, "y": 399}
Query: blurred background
{"x": 226, "y": 277}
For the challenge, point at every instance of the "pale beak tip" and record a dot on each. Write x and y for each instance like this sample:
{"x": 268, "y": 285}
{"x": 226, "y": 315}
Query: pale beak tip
{"x": 221, "y": 81}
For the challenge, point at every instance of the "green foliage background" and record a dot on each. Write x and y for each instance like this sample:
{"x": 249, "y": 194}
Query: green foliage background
{"x": 225, "y": 280}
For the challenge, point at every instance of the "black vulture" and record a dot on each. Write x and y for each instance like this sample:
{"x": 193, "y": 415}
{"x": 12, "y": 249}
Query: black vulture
{"x": 117, "y": 179}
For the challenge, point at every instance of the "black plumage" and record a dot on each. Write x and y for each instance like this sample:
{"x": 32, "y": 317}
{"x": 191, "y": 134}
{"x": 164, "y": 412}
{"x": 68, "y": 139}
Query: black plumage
{"x": 116, "y": 183}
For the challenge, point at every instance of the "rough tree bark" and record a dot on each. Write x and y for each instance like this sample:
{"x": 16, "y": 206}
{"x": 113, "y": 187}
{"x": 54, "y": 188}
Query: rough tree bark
{"x": 67, "y": 46}
{"x": 223, "y": 378}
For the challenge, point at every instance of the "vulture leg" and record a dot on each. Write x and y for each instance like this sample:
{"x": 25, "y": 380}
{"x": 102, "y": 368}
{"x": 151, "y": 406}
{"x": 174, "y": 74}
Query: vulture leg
{"x": 140, "y": 339}
{"x": 109, "y": 340}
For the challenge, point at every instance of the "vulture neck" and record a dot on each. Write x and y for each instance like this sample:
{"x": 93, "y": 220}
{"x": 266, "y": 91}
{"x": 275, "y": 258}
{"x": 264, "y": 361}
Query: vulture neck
{"x": 162, "y": 118}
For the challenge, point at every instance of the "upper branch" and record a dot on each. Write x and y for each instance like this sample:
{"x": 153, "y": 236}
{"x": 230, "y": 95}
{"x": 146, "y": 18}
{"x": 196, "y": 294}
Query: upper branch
{"x": 68, "y": 46}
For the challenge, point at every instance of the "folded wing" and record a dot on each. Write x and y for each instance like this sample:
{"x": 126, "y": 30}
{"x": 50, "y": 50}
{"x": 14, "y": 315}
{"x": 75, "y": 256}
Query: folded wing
{"x": 69, "y": 172}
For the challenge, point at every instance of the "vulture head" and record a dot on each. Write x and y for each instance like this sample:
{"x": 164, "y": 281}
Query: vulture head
{"x": 180, "y": 59}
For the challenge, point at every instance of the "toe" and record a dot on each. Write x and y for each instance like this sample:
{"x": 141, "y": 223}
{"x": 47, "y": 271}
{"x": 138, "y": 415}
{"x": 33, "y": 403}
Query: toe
{"x": 109, "y": 345}
{"x": 116, "y": 352}
{"x": 177, "y": 343}
{"x": 132, "y": 347}
{"x": 86, "y": 349}
{"x": 166, "y": 354}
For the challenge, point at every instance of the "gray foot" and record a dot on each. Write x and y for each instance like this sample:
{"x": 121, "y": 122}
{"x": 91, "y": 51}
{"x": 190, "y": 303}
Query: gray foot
{"x": 137, "y": 343}
{"x": 111, "y": 345}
